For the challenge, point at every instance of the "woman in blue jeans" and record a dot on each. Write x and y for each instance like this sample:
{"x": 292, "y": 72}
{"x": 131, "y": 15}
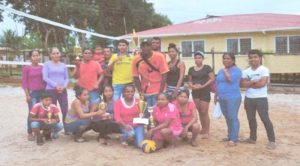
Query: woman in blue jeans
{"x": 229, "y": 96}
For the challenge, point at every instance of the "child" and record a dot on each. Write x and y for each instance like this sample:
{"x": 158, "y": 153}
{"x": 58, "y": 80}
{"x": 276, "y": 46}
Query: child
{"x": 108, "y": 93}
{"x": 188, "y": 116}
{"x": 44, "y": 116}
{"x": 167, "y": 122}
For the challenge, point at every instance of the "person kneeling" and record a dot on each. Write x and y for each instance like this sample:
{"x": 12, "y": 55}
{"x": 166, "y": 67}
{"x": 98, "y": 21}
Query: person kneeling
{"x": 44, "y": 116}
{"x": 167, "y": 122}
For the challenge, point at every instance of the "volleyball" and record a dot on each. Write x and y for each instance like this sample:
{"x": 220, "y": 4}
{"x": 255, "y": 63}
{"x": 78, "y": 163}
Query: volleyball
{"x": 148, "y": 146}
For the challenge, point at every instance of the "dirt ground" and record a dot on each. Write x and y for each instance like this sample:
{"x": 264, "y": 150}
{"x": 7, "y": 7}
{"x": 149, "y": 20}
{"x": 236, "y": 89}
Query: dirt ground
{"x": 16, "y": 150}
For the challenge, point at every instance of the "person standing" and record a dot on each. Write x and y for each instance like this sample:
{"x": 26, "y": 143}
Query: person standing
{"x": 229, "y": 96}
{"x": 33, "y": 85}
{"x": 121, "y": 66}
{"x": 55, "y": 74}
{"x": 255, "y": 80}
{"x": 149, "y": 71}
{"x": 89, "y": 74}
{"x": 107, "y": 74}
{"x": 176, "y": 74}
{"x": 200, "y": 78}
{"x": 98, "y": 55}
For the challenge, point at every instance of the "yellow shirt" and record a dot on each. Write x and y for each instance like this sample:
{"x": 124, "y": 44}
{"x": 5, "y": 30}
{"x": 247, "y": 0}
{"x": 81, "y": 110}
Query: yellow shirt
{"x": 122, "y": 69}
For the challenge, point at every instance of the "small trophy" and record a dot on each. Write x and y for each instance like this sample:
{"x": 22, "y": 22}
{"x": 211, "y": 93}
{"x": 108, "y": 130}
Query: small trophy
{"x": 151, "y": 119}
{"x": 141, "y": 107}
{"x": 102, "y": 106}
{"x": 49, "y": 115}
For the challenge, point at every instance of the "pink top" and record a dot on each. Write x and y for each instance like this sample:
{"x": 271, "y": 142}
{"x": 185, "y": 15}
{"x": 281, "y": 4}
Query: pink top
{"x": 32, "y": 78}
{"x": 186, "y": 116}
{"x": 125, "y": 113}
{"x": 160, "y": 115}
{"x": 88, "y": 74}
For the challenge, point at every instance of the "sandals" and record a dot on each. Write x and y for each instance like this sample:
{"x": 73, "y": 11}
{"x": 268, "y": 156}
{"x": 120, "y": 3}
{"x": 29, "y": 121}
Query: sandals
{"x": 31, "y": 137}
{"x": 249, "y": 141}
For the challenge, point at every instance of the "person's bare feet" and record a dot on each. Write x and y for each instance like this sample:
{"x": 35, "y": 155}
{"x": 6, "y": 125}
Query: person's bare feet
{"x": 30, "y": 137}
{"x": 204, "y": 136}
{"x": 194, "y": 143}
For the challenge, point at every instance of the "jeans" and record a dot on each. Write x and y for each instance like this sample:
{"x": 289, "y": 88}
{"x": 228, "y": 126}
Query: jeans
{"x": 94, "y": 97}
{"x": 118, "y": 89}
{"x": 261, "y": 105}
{"x": 73, "y": 127}
{"x": 137, "y": 132}
{"x": 35, "y": 98}
{"x": 56, "y": 127}
{"x": 230, "y": 108}
{"x": 62, "y": 99}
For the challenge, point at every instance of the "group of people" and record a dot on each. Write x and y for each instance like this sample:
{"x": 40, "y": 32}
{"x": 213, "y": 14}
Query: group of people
{"x": 115, "y": 79}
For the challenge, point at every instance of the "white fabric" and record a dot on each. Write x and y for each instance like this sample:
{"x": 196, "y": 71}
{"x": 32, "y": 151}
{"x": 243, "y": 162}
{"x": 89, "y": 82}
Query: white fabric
{"x": 217, "y": 114}
{"x": 257, "y": 74}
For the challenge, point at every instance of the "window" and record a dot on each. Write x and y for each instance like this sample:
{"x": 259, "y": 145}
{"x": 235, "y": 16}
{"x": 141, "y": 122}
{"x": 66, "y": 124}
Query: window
{"x": 239, "y": 46}
{"x": 190, "y": 47}
{"x": 287, "y": 44}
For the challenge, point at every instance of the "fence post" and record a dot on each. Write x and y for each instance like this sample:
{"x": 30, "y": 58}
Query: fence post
{"x": 213, "y": 58}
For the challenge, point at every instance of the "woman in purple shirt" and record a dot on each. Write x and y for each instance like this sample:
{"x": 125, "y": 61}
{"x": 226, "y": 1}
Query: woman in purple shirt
{"x": 55, "y": 74}
{"x": 33, "y": 85}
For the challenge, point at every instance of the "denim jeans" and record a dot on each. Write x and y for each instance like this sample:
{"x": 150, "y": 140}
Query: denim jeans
{"x": 94, "y": 97}
{"x": 136, "y": 132}
{"x": 56, "y": 127}
{"x": 230, "y": 108}
{"x": 35, "y": 98}
{"x": 73, "y": 127}
{"x": 118, "y": 89}
{"x": 261, "y": 105}
{"x": 62, "y": 99}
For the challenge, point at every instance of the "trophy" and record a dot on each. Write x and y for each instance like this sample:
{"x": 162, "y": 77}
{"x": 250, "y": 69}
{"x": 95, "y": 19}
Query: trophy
{"x": 151, "y": 119}
{"x": 49, "y": 115}
{"x": 141, "y": 108}
{"x": 102, "y": 106}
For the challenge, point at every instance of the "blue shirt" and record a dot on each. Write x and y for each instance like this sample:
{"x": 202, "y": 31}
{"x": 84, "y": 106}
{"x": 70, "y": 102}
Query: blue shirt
{"x": 229, "y": 89}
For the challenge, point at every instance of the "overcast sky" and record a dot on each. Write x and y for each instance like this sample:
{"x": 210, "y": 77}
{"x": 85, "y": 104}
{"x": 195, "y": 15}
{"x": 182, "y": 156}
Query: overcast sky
{"x": 185, "y": 10}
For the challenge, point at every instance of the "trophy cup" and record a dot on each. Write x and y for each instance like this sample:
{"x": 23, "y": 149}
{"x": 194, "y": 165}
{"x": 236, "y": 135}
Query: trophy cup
{"x": 151, "y": 119}
{"x": 141, "y": 107}
{"x": 49, "y": 115}
{"x": 102, "y": 105}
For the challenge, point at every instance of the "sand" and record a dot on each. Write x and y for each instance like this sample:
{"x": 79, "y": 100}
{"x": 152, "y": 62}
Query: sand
{"x": 16, "y": 150}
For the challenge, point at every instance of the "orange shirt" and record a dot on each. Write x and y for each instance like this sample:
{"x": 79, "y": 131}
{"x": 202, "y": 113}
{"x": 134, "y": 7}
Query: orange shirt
{"x": 88, "y": 74}
{"x": 150, "y": 79}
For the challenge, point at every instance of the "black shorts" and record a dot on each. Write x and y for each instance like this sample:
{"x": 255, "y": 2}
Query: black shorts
{"x": 203, "y": 95}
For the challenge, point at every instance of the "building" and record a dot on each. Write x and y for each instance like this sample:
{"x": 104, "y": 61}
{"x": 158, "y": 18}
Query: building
{"x": 277, "y": 35}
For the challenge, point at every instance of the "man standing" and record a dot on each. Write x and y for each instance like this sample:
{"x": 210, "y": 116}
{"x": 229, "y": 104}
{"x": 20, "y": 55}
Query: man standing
{"x": 107, "y": 80}
{"x": 255, "y": 79}
{"x": 156, "y": 44}
{"x": 149, "y": 71}
{"x": 121, "y": 66}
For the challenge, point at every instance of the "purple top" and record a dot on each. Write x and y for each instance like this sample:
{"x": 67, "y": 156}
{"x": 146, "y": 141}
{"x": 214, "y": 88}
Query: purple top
{"x": 55, "y": 75}
{"x": 32, "y": 78}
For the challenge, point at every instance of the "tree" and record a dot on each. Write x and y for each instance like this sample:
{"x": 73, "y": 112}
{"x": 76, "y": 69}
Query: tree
{"x": 11, "y": 39}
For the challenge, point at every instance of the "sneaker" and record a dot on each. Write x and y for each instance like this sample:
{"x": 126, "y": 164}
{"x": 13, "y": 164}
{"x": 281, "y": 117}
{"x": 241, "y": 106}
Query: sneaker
{"x": 231, "y": 144}
{"x": 249, "y": 141}
{"x": 271, "y": 146}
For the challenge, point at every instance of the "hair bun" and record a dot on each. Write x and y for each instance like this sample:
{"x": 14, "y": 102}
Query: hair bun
{"x": 172, "y": 45}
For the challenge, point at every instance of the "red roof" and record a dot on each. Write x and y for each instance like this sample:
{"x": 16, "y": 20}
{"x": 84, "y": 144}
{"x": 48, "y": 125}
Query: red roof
{"x": 227, "y": 24}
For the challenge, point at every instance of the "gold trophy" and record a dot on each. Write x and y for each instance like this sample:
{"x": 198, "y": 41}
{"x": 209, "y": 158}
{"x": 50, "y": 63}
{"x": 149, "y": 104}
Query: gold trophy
{"x": 49, "y": 115}
{"x": 142, "y": 105}
{"x": 102, "y": 106}
{"x": 151, "y": 119}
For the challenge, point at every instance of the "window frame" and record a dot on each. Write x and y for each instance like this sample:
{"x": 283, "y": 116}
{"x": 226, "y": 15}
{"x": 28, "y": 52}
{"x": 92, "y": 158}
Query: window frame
{"x": 193, "y": 49}
{"x": 287, "y": 45}
{"x": 239, "y": 44}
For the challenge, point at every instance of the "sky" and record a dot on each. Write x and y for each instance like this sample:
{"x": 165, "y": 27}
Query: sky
{"x": 186, "y": 10}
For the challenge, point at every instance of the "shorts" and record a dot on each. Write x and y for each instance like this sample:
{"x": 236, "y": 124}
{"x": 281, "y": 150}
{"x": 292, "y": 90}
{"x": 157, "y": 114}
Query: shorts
{"x": 203, "y": 95}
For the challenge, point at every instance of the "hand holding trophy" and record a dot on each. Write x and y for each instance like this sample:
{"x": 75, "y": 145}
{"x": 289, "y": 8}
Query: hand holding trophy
{"x": 142, "y": 105}
{"x": 49, "y": 115}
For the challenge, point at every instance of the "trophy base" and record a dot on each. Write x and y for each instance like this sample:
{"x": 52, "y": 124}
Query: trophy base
{"x": 144, "y": 121}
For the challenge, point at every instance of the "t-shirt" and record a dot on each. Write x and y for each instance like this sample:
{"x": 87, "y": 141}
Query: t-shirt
{"x": 201, "y": 76}
{"x": 88, "y": 74}
{"x": 55, "y": 75}
{"x": 226, "y": 89}
{"x": 98, "y": 57}
{"x": 257, "y": 74}
{"x": 41, "y": 112}
{"x": 150, "y": 79}
{"x": 186, "y": 116}
{"x": 122, "y": 69}
{"x": 170, "y": 111}
{"x": 124, "y": 113}
{"x": 32, "y": 78}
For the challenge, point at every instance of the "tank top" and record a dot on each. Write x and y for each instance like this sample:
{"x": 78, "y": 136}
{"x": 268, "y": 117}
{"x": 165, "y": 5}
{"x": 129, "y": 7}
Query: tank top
{"x": 173, "y": 75}
{"x": 72, "y": 114}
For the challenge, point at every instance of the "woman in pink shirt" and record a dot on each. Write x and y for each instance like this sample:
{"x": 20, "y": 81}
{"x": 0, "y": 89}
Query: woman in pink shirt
{"x": 125, "y": 109}
{"x": 167, "y": 122}
{"x": 188, "y": 116}
{"x": 33, "y": 85}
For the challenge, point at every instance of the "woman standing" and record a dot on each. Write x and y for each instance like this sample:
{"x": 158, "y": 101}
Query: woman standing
{"x": 176, "y": 72}
{"x": 200, "y": 77}
{"x": 55, "y": 74}
{"x": 33, "y": 85}
{"x": 229, "y": 96}
{"x": 125, "y": 109}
